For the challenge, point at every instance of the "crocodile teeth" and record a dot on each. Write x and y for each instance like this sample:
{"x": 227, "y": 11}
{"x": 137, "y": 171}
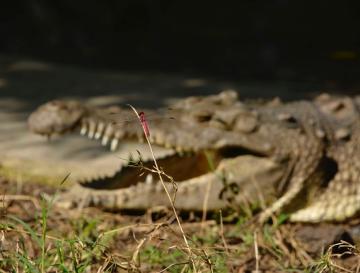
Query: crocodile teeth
{"x": 83, "y": 129}
{"x": 105, "y": 140}
{"x": 109, "y": 131}
{"x": 149, "y": 179}
{"x": 100, "y": 130}
{"x": 92, "y": 128}
{"x": 114, "y": 144}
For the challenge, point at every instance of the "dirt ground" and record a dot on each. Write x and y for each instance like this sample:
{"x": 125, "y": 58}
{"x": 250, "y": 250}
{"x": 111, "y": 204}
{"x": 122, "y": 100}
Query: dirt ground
{"x": 152, "y": 242}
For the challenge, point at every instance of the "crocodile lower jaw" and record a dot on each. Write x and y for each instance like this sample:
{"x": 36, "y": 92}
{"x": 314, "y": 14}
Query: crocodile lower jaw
{"x": 253, "y": 176}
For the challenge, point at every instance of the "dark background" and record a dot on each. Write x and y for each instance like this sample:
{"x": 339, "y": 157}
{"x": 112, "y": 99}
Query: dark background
{"x": 262, "y": 41}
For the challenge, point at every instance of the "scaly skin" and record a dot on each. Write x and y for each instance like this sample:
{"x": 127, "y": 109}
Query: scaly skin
{"x": 292, "y": 143}
{"x": 341, "y": 198}
{"x": 191, "y": 193}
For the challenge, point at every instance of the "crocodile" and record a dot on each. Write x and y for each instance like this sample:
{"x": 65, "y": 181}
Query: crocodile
{"x": 300, "y": 157}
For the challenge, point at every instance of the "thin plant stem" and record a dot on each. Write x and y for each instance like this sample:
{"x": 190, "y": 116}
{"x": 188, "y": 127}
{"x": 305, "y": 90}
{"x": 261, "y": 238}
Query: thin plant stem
{"x": 222, "y": 233}
{"x": 210, "y": 161}
{"x": 256, "y": 249}
{"x": 167, "y": 192}
{"x": 44, "y": 213}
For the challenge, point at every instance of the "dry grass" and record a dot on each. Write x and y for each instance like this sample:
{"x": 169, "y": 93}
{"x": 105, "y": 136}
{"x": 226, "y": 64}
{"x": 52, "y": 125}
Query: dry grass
{"x": 51, "y": 240}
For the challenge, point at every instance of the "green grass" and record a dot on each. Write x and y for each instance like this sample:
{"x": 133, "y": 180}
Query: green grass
{"x": 60, "y": 255}
{"x": 73, "y": 253}
{"x": 88, "y": 243}
{"x": 163, "y": 258}
{"x": 82, "y": 247}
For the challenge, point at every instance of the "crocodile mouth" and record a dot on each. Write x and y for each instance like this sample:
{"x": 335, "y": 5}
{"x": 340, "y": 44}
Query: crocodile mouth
{"x": 222, "y": 173}
{"x": 174, "y": 166}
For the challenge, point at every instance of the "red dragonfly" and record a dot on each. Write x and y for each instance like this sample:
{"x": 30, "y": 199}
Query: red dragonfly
{"x": 144, "y": 124}
{"x": 143, "y": 118}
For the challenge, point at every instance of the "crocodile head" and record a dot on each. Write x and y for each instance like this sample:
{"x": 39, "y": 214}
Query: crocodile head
{"x": 205, "y": 135}
{"x": 197, "y": 123}
{"x": 56, "y": 117}
{"x": 218, "y": 125}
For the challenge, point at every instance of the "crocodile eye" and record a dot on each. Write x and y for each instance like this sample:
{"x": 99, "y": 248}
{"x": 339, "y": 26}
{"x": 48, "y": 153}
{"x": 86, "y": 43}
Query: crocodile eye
{"x": 336, "y": 106}
{"x": 202, "y": 115}
{"x": 288, "y": 118}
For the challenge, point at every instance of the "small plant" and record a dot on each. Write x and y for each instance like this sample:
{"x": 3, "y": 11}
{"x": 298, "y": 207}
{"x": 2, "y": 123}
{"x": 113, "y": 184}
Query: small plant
{"x": 38, "y": 252}
{"x": 159, "y": 257}
{"x": 326, "y": 263}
